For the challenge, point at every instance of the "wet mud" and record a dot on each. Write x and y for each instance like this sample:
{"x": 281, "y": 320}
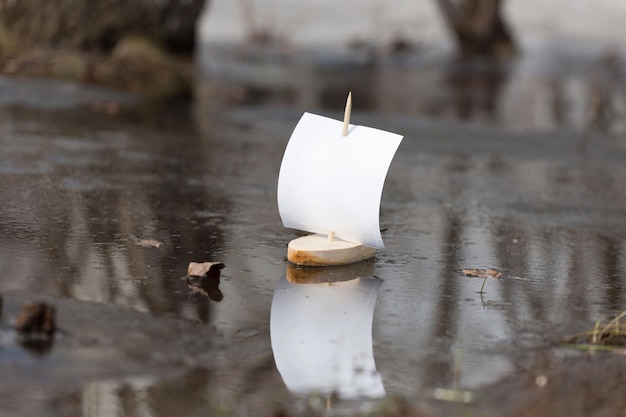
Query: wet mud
{"x": 544, "y": 205}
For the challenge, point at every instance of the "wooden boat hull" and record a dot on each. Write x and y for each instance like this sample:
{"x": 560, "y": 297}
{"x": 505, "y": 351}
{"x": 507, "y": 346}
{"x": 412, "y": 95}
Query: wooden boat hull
{"x": 317, "y": 250}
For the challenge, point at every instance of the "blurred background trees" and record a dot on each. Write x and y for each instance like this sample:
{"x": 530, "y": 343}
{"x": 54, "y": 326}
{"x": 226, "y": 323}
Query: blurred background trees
{"x": 97, "y": 25}
{"x": 134, "y": 45}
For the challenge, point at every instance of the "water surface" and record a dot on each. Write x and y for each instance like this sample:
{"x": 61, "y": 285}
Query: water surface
{"x": 80, "y": 186}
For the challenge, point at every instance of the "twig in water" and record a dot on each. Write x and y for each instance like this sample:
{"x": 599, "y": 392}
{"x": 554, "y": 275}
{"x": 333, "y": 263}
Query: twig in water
{"x": 483, "y": 286}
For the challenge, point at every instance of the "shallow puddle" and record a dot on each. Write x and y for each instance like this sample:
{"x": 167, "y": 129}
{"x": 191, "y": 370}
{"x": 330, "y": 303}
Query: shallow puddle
{"x": 80, "y": 187}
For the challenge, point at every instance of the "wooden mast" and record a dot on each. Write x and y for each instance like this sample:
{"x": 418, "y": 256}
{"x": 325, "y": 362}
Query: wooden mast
{"x": 344, "y": 133}
{"x": 346, "y": 115}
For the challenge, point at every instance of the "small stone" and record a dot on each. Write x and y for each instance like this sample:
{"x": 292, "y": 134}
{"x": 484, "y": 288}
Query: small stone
{"x": 36, "y": 319}
{"x": 199, "y": 269}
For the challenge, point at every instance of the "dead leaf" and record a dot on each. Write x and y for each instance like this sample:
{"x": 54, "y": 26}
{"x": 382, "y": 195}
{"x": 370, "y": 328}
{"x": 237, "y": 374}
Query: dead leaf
{"x": 146, "y": 243}
{"x": 199, "y": 269}
{"x": 482, "y": 273}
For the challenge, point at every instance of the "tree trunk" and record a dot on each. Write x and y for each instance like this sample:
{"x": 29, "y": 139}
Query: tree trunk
{"x": 479, "y": 27}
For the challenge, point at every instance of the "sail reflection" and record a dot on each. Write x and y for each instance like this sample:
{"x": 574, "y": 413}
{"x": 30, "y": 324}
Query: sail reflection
{"x": 321, "y": 331}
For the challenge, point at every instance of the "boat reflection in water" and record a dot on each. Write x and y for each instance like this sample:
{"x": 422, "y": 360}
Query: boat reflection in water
{"x": 321, "y": 331}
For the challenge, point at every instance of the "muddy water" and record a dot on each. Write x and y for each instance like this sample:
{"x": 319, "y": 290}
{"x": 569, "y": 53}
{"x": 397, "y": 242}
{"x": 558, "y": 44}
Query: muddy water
{"x": 83, "y": 180}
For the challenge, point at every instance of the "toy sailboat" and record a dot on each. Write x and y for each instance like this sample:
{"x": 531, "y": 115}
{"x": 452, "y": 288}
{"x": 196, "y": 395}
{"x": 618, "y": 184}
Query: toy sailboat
{"x": 330, "y": 184}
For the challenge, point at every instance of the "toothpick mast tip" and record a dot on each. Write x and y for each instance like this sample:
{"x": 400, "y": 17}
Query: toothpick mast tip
{"x": 346, "y": 115}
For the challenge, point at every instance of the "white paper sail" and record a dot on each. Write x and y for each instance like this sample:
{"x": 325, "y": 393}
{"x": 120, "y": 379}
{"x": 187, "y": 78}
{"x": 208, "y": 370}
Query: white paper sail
{"x": 328, "y": 182}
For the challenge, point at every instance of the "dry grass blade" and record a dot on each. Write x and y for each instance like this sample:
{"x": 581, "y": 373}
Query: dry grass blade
{"x": 615, "y": 322}
{"x": 610, "y": 335}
